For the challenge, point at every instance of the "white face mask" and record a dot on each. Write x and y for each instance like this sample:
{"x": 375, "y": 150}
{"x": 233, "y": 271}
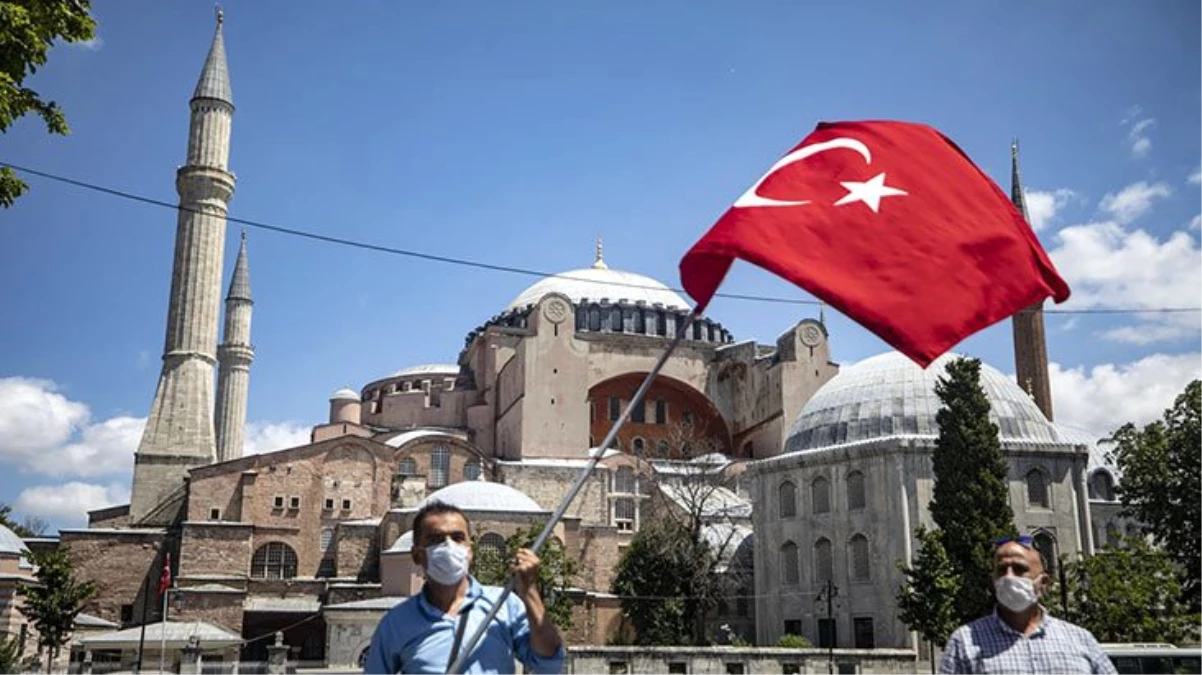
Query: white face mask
{"x": 446, "y": 563}
{"x": 1016, "y": 594}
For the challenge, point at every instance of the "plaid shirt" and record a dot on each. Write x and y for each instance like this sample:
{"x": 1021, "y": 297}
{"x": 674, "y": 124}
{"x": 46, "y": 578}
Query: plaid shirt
{"x": 988, "y": 645}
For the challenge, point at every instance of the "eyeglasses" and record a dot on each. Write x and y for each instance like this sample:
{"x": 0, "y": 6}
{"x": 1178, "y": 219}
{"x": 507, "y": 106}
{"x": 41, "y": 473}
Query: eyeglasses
{"x": 1024, "y": 540}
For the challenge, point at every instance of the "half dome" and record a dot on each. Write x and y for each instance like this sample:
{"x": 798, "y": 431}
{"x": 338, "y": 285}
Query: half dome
{"x": 476, "y": 495}
{"x": 889, "y": 395}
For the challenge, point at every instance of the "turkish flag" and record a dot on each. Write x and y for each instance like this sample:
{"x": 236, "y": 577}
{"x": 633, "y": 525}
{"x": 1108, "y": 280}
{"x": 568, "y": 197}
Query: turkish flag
{"x": 891, "y": 224}
{"x": 165, "y": 579}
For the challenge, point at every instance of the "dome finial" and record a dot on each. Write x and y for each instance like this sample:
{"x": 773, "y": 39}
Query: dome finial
{"x": 821, "y": 312}
{"x": 599, "y": 263}
{"x": 220, "y": 15}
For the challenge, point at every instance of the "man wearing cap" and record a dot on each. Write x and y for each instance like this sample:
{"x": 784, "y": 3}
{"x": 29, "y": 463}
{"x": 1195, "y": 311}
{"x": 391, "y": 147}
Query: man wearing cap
{"x": 1020, "y": 636}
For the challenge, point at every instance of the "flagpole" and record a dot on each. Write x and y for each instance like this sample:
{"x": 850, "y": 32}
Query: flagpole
{"x": 594, "y": 457}
{"x": 142, "y": 635}
{"x": 163, "y": 631}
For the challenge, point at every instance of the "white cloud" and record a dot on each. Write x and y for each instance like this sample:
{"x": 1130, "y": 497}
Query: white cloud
{"x": 67, "y": 504}
{"x": 268, "y": 436}
{"x": 1195, "y": 223}
{"x": 1137, "y": 135}
{"x": 1134, "y": 200}
{"x": 1042, "y": 206}
{"x": 34, "y": 417}
{"x": 1108, "y": 266}
{"x": 1103, "y": 398}
{"x": 92, "y": 45}
{"x": 1195, "y": 177}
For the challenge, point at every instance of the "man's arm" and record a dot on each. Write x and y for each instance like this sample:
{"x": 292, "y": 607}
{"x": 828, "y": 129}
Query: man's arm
{"x": 1098, "y": 660}
{"x": 379, "y": 654}
{"x": 955, "y": 660}
{"x": 544, "y": 636}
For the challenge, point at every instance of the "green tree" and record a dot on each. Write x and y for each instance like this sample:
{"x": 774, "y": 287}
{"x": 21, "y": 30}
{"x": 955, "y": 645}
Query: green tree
{"x": 28, "y": 29}
{"x": 654, "y": 580}
{"x": 927, "y": 601}
{"x": 970, "y": 503}
{"x": 1161, "y": 483}
{"x": 54, "y": 600}
{"x": 1129, "y": 591}
{"x": 10, "y": 655}
{"x": 555, "y": 574}
{"x": 8, "y": 519}
{"x": 791, "y": 641}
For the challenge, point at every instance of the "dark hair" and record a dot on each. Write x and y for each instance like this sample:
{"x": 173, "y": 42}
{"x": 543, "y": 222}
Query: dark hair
{"x": 434, "y": 508}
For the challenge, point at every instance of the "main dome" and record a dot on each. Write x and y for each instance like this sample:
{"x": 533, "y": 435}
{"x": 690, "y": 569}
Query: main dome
{"x": 596, "y": 283}
{"x": 478, "y": 495}
{"x": 889, "y": 395}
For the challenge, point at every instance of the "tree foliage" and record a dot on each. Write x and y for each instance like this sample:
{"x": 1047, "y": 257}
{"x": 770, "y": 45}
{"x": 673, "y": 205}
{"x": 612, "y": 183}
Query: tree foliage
{"x": 1161, "y": 485}
{"x": 654, "y": 582}
{"x": 927, "y": 601}
{"x": 555, "y": 572}
{"x": 26, "y": 528}
{"x": 970, "y": 503}
{"x": 53, "y": 601}
{"x": 790, "y": 641}
{"x": 10, "y": 654}
{"x": 28, "y": 29}
{"x": 1129, "y": 591}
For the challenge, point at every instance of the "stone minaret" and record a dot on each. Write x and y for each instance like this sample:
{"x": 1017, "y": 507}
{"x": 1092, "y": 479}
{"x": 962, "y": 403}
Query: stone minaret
{"x": 1030, "y": 342}
{"x": 179, "y": 431}
{"x": 234, "y": 356}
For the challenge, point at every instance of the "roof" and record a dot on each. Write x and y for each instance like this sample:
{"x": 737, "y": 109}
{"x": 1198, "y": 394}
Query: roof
{"x": 345, "y": 394}
{"x": 719, "y": 502}
{"x": 214, "y": 79}
{"x": 596, "y": 283}
{"x": 403, "y": 544}
{"x": 384, "y": 603}
{"x": 1099, "y": 449}
{"x": 415, "y": 434}
{"x": 281, "y": 605}
{"x": 240, "y": 281}
{"x": 889, "y": 395}
{"x": 177, "y": 634}
{"x": 89, "y": 621}
{"x": 210, "y": 588}
{"x": 428, "y": 369}
{"x": 10, "y": 543}
{"x": 479, "y": 495}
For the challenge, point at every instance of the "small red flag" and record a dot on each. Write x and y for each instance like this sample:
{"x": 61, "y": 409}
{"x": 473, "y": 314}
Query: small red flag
{"x": 891, "y": 224}
{"x": 165, "y": 579}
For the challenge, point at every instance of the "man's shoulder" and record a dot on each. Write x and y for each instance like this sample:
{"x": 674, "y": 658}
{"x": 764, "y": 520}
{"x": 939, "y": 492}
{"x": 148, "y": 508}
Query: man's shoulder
{"x": 1071, "y": 629}
{"x": 404, "y": 609}
{"x": 984, "y": 624}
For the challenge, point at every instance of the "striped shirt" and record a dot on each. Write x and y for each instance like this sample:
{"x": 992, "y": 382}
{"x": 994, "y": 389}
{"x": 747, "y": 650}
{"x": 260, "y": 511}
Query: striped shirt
{"x": 989, "y": 645}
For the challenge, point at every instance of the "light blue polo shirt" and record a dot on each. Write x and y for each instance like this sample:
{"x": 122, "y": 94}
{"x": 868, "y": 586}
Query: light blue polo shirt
{"x": 416, "y": 637}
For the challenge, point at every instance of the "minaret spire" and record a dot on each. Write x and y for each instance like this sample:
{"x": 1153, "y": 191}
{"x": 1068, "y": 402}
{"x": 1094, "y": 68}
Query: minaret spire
{"x": 179, "y": 432}
{"x": 234, "y": 357}
{"x": 1030, "y": 339}
{"x": 599, "y": 263}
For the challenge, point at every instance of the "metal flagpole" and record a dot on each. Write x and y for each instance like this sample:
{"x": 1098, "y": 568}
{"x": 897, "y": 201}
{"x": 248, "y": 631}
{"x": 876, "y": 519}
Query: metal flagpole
{"x": 142, "y": 636}
{"x": 163, "y": 631}
{"x": 457, "y": 666}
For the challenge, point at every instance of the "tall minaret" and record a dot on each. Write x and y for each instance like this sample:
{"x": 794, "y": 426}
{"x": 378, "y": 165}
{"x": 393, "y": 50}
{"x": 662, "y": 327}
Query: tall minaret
{"x": 234, "y": 356}
{"x": 179, "y": 431}
{"x": 1030, "y": 342}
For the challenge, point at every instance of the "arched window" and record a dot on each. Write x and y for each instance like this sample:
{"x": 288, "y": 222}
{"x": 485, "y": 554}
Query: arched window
{"x": 274, "y": 560}
{"x": 822, "y": 561}
{"x": 638, "y": 445}
{"x": 624, "y": 513}
{"x": 855, "y": 491}
{"x": 624, "y": 482}
{"x": 820, "y": 491}
{"x": 615, "y": 320}
{"x": 860, "y": 564}
{"x": 492, "y": 544}
{"x": 790, "y": 567}
{"x": 663, "y": 449}
{"x": 407, "y": 467}
{"x": 1101, "y": 486}
{"x": 788, "y": 500}
{"x": 1037, "y": 488}
{"x": 594, "y": 319}
{"x": 640, "y": 322}
{"x": 440, "y": 466}
{"x": 327, "y": 538}
{"x": 1045, "y": 543}
{"x": 1112, "y": 532}
{"x": 471, "y": 471}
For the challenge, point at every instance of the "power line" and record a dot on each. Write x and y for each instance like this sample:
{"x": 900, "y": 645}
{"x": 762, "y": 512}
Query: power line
{"x": 463, "y": 262}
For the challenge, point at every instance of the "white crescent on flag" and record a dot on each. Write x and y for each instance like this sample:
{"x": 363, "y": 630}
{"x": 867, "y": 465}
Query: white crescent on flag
{"x": 752, "y": 198}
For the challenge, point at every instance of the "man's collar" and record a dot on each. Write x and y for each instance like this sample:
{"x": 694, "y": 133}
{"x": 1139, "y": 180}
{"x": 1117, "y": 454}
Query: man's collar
{"x": 1039, "y": 630}
{"x": 474, "y": 591}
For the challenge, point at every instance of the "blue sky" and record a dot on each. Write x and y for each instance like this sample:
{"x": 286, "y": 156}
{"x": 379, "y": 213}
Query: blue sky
{"x": 514, "y": 134}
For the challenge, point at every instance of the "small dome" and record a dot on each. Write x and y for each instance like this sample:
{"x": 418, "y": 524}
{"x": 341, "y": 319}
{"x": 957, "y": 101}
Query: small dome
{"x": 345, "y": 395}
{"x": 1098, "y": 449}
{"x": 596, "y": 283}
{"x": 428, "y": 369}
{"x": 10, "y": 543}
{"x": 889, "y": 395}
{"x": 484, "y": 496}
{"x": 404, "y": 543}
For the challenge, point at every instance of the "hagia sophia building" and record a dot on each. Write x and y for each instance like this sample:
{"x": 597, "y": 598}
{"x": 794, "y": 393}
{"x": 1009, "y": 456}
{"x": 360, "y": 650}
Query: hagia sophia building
{"x": 829, "y": 468}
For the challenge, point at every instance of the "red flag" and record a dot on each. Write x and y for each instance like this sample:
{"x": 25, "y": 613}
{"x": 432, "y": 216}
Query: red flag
{"x": 891, "y": 224}
{"x": 165, "y": 579}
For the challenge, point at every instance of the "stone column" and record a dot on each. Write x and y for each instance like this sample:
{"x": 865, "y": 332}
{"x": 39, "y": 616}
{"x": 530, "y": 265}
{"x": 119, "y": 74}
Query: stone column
{"x": 277, "y": 656}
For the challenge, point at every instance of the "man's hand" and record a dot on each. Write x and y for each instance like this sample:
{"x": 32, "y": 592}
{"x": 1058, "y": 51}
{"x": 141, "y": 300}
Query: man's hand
{"x": 525, "y": 572}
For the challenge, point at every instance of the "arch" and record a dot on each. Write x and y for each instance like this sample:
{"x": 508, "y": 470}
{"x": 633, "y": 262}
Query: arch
{"x": 1037, "y": 489}
{"x": 492, "y": 544}
{"x": 1101, "y": 486}
{"x": 440, "y": 466}
{"x": 638, "y": 446}
{"x": 790, "y": 566}
{"x": 787, "y": 498}
{"x": 640, "y": 321}
{"x": 820, "y": 495}
{"x": 273, "y": 560}
{"x": 662, "y": 415}
{"x": 1045, "y": 543}
{"x": 823, "y": 561}
{"x": 861, "y": 564}
{"x": 856, "y": 499}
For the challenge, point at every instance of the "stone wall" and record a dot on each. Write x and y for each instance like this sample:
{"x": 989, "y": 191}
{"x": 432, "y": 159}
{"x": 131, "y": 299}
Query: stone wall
{"x": 358, "y": 552}
{"x": 547, "y": 481}
{"x": 219, "y": 607}
{"x": 724, "y": 660}
{"x": 117, "y": 561}
{"x": 215, "y": 549}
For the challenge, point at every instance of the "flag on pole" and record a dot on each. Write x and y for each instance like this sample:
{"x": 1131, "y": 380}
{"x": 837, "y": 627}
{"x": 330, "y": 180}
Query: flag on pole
{"x": 165, "y": 579}
{"x": 891, "y": 224}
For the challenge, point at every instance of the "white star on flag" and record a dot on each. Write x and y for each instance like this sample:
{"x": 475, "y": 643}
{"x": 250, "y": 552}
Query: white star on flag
{"x": 870, "y": 192}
